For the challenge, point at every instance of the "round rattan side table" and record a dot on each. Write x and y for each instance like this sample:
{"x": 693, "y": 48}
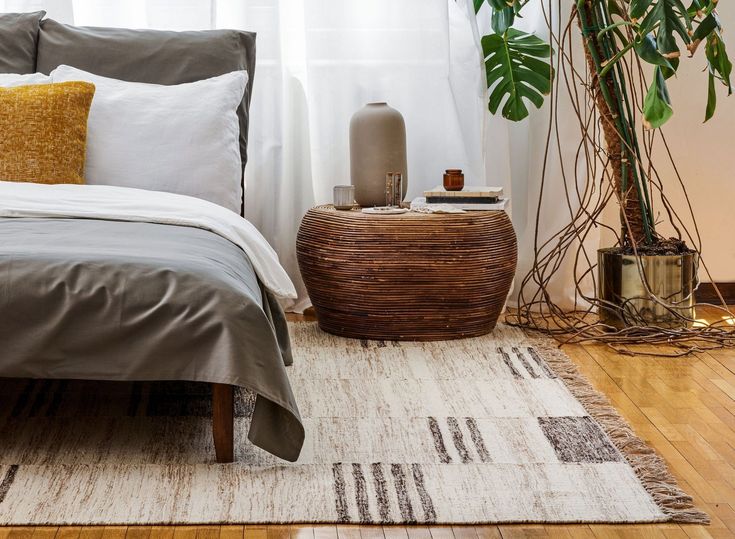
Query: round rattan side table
{"x": 412, "y": 276}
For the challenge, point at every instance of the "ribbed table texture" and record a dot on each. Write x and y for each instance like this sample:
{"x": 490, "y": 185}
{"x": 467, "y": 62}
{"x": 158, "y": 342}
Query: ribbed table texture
{"x": 411, "y": 276}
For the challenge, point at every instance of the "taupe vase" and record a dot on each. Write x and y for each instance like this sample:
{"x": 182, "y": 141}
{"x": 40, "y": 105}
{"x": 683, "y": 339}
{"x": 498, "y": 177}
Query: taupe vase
{"x": 377, "y": 146}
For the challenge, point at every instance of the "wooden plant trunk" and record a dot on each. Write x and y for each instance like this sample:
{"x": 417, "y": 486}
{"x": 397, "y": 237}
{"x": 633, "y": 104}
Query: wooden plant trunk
{"x": 631, "y": 215}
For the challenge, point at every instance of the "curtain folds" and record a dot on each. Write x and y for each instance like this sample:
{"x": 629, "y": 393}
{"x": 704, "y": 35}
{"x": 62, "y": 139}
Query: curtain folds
{"x": 321, "y": 60}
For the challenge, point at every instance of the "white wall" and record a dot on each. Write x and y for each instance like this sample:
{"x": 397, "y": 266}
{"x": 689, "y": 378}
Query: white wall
{"x": 705, "y": 156}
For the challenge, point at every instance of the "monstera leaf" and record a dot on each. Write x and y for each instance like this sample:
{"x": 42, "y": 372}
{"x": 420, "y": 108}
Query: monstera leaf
{"x": 699, "y": 6}
{"x": 646, "y": 49}
{"x": 516, "y": 70}
{"x": 503, "y": 13}
{"x": 720, "y": 68}
{"x": 706, "y": 26}
{"x": 497, "y": 4}
{"x": 666, "y": 18}
{"x": 502, "y": 19}
{"x": 657, "y": 104}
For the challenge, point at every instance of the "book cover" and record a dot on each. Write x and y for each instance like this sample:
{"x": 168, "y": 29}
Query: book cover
{"x": 461, "y": 200}
{"x": 501, "y": 204}
{"x": 481, "y": 191}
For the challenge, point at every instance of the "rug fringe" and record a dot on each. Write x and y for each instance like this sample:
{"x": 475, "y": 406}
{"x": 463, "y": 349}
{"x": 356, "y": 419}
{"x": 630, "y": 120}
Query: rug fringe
{"x": 648, "y": 466}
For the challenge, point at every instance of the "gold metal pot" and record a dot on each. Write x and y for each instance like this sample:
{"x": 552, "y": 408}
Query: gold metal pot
{"x": 625, "y": 300}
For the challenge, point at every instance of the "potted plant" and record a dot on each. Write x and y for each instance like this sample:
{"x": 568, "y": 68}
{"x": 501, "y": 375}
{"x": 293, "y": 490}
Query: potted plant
{"x": 645, "y": 280}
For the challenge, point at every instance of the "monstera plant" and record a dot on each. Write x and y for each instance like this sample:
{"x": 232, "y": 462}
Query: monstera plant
{"x": 620, "y": 37}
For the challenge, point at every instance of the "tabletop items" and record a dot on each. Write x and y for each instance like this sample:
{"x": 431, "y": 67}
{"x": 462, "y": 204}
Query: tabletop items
{"x": 436, "y": 200}
{"x": 451, "y": 197}
{"x": 378, "y": 170}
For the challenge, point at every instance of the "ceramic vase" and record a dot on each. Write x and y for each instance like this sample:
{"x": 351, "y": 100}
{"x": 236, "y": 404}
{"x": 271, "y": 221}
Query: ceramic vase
{"x": 377, "y": 146}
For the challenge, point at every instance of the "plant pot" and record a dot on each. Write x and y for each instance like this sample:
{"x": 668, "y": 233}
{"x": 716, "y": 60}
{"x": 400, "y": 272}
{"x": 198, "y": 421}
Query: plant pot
{"x": 626, "y": 303}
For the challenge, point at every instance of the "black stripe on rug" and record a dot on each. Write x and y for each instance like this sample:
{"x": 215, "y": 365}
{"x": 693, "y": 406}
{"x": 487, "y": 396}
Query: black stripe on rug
{"x": 541, "y": 363}
{"x": 404, "y": 502}
{"x": 458, "y": 440}
{"x": 526, "y": 364}
{"x": 509, "y": 363}
{"x": 339, "y": 493}
{"x": 426, "y": 503}
{"x": 8, "y": 481}
{"x": 436, "y": 434}
{"x": 361, "y": 494}
{"x": 381, "y": 491}
{"x": 477, "y": 439}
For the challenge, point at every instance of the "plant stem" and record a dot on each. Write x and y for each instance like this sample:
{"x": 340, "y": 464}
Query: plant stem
{"x": 609, "y": 64}
{"x": 614, "y": 106}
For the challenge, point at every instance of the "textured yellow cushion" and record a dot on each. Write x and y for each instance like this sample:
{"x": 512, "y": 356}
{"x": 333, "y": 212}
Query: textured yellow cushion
{"x": 43, "y": 132}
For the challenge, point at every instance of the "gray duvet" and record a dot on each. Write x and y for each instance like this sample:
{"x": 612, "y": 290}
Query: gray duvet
{"x": 110, "y": 300}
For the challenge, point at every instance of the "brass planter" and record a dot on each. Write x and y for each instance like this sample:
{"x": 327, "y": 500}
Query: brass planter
{"x": 625, "y": 301}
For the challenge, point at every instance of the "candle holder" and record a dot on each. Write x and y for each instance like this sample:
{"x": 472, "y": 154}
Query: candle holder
{"x": 453, "y": 179}
{"x": 344, "y": 197}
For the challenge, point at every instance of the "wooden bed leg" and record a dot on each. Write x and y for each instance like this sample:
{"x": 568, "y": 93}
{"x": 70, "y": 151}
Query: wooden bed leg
{"x": 223, "y": 419}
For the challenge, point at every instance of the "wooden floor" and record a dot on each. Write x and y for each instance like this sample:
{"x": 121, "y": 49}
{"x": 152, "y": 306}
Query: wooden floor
{"x": 685, "y": 408}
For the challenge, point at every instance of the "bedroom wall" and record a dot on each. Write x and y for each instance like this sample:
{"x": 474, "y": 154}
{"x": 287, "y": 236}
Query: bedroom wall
{"x": 705, "y": 156}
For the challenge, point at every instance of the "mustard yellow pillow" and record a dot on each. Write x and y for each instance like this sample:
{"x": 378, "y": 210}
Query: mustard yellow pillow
{"x": 43, "y": 132}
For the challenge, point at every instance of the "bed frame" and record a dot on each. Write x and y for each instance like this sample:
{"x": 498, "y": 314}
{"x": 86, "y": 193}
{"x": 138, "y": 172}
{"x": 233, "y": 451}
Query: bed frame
{"x": 223, "y": 422}
{"x": 202, "y": 46}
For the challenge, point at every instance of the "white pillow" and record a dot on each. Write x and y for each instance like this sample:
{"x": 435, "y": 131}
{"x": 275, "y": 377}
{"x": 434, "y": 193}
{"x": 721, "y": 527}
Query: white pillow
{"x": 13, "y": 79}
{"x": 181, "y": 139}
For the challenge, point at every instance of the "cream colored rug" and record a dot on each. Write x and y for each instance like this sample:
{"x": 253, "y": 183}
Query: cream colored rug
{"x": 493, "y": 429}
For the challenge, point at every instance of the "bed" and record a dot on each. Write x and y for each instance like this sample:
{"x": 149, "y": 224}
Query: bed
{"x": 116, "y": 283}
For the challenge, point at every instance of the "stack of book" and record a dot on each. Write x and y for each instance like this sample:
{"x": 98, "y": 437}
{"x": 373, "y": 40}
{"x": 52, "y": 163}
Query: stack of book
{"x": 469, "y": 198}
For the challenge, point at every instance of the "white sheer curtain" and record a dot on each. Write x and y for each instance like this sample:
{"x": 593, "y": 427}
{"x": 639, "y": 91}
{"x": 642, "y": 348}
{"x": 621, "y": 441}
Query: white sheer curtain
{"x": 318, "y": 61}
{"x": 528, "y": 141}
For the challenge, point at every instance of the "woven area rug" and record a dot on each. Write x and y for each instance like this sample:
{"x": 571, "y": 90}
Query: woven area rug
{"x": 493, "y": 429}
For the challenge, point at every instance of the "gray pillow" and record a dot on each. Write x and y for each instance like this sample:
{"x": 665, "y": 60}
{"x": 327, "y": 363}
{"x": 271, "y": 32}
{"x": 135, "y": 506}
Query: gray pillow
{"x": 18, "y": 38}
{"x": 153, "y": 56}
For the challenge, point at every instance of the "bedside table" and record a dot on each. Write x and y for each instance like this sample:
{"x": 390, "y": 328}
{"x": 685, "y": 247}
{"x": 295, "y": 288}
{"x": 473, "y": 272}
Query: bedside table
{"x": 412, "y": 276}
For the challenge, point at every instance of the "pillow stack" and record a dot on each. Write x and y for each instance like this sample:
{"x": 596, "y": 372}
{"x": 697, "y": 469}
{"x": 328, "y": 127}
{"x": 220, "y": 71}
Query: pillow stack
{"x": 166, "y": 58}
{"x": 169, "y": 111}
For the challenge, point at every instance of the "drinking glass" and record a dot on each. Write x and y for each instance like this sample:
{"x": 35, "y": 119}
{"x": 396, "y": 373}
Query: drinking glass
{"x": 344, "y": 197}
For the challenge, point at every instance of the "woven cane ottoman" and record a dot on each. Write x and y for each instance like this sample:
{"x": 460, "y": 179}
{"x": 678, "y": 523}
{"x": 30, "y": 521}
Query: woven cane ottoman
{"x": 412, "y": 276}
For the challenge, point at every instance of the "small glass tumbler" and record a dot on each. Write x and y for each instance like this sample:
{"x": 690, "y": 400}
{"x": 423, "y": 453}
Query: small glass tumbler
{"x": 344, "y": 197}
